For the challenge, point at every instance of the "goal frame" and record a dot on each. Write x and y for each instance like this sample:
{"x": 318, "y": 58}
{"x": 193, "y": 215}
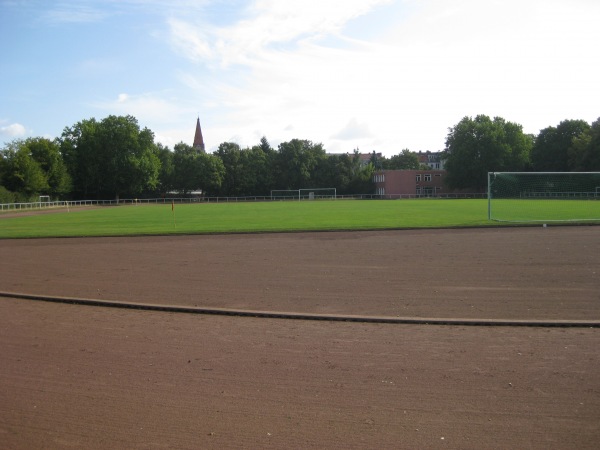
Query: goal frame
{"x": 310, "y": 193}
{"x": 303, "y": 194}
{"x": 546, "y": 193}
{"x": 296, "y": 195}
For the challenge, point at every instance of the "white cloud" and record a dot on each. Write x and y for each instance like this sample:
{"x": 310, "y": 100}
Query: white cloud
{"x": 289, "y": 69}
{"x": 353, "y": 130}
{"x": 14, "y": 130}
{"x": 147, "y": 107}
{"x": 74, "y": 13}
{"x": 189, "y": 40}
{"x": 268, "y": 23}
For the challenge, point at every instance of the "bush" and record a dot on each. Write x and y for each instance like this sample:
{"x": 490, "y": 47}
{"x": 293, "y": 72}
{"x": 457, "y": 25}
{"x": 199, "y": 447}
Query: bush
{"x": 6, "y": 196}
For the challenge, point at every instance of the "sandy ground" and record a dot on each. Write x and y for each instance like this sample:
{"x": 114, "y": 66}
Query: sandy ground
{"x": 513, "y": 273}
{"x": 85, "y": 377}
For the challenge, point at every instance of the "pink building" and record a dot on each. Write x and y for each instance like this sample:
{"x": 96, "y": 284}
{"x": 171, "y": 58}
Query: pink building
{"x": 410, "y": 182}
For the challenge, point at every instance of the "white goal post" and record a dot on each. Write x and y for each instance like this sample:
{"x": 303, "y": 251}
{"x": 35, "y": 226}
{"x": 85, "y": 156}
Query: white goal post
{"x": 304, "y": 194}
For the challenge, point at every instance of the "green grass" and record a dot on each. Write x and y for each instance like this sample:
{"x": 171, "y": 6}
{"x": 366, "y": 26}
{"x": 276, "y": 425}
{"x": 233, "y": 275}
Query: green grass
{"x": 549, "y": 210}
{"x": 249, "y": 217}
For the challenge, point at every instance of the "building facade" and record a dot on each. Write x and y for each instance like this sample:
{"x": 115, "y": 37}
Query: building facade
{"x": 431, "y": 159}
{"x": 410, "y": 182}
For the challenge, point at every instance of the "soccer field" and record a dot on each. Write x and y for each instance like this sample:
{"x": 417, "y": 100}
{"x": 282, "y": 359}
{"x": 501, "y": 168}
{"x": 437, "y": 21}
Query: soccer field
{"x": 159, "y": 219}
{"x": 248, "y": 217}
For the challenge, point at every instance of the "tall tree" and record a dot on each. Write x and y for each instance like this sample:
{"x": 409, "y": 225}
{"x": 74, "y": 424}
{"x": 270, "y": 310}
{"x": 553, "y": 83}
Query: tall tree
{"x": 406, "y": 160}
{"x": 111, "y": 157}
{"x": 231, "y": 156}
{"x": 212, "y": 172}
{"x": 166, "y": 173}
{"x": 186, "y": 177}
{"x": 477, "y": 146}
{"x": 195, "y": 171}
{"x": 584, "y": 154}
{"x": 79, "y": 148}
{"x": 21, "y": 172}
{"x": 258, "y": 175}
{"x": 550, "y": 152}
{"x": 47, "y": 154}
{"x": 296, "y": 162}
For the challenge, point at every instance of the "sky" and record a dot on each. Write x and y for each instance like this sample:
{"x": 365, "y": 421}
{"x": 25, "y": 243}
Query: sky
{"x": 377, "y": 75}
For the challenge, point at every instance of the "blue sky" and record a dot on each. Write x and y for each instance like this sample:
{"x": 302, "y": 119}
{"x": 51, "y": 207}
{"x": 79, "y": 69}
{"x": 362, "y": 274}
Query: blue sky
{"x": 370, "y": 74}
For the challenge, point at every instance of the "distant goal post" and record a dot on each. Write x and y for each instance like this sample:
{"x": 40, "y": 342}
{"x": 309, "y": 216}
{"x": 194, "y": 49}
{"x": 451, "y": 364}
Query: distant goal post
{"x": 544, "y": 196}
{"x": 304, "y": 194}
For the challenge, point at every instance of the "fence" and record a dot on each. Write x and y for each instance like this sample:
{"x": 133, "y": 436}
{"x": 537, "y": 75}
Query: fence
{"x": 180, "y": 200}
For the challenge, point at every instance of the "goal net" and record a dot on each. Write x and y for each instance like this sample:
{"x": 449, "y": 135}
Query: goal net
{"x": 317, "y": 193}
{"x": 544, "y": 196}
{"x": 304, "y": 194}
{"x": 285, "y": 194}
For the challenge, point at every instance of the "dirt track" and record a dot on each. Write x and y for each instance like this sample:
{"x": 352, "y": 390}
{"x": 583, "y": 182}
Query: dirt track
{"x": 514, "y": 273}
{"x": 74, "y": 376}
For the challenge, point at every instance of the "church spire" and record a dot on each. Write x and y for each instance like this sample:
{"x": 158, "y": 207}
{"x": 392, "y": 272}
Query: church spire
{"x": 198, "y": 140}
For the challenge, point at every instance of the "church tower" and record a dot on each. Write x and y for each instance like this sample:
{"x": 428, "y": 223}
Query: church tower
{"x": 198, "y": 140}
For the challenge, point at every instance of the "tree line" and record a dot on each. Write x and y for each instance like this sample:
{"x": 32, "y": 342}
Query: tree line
{"x": 476, "y": 146}
{"x": 115, "y": 158}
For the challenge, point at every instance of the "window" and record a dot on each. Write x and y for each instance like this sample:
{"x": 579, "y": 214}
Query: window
{"x": 427, "y": 177}
{"x": 418, "y": 177}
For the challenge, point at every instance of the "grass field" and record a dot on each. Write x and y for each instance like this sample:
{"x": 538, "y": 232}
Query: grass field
{"x": 247, "y": 217}
{"x": 516, "y": 210}
{"x": 251, "y": 217}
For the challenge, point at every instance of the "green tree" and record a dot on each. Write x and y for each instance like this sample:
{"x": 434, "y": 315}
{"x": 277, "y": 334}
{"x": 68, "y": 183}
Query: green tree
{"x": 186, "y": 177}
{"x": 377, "y": 160}
{"x": 80, "y": 150}
{"x": 406, "y": 160}
{"x": 265, "y": 146}
{"x": 296, "y": 164}
{"x": 362, "y": 180}
{"x": 195, "y": 171}
{"x": 167, "y": 168}
{"x": 211, "y": 172}
{"x": 47, "y": 154}
{"x": 550, "y": 152}
{"x": 584, "y": 154}
{"x": 258, "y": 175}
{"x": 233, "y": 161}
{"x": 7, "y": 196}
{"x": 129, "y": 156}
{"x": 477, "y": 146}
{"x": 22, "y": 173}
{"x": 111, "y": 157}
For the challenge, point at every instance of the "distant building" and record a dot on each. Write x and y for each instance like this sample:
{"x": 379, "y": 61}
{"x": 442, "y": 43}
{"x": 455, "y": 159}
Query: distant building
{"x": 198, "y": 139}
{"x": 364, "y": 158}
{"x": 431, "y": 159}
{"x": 410, "y": 182}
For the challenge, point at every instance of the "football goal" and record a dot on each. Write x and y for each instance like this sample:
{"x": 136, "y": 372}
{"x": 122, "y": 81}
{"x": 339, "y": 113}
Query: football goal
{"x": 544, "y": 196}
{"x": 304, "y": 194}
